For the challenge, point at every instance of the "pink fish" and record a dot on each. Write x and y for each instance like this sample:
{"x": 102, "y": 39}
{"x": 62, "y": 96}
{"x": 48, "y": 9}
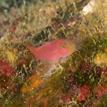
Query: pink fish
{"x": 53, "y": 51}
{"x": 50, "y": 54}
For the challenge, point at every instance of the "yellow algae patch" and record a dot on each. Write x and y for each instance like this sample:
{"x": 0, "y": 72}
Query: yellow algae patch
{"x": 11, "y": 56}
{"x": 33, "y": 82}
{"x": 101, "y": 59}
